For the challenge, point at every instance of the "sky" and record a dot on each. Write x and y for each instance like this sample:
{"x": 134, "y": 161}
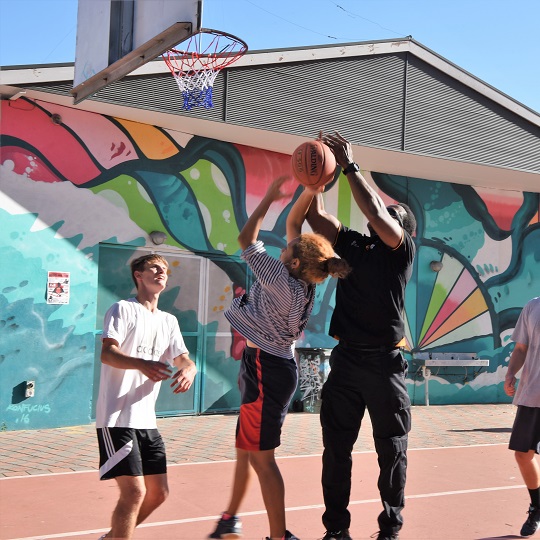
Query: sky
{"x": 495, "y": 40}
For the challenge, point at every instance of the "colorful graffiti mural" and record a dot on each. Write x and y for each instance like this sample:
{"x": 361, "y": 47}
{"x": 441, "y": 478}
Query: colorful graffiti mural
{"x": 69, "y": 189}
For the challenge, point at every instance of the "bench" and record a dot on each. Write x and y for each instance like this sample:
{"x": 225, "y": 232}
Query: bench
{"x": 439, "y": 359}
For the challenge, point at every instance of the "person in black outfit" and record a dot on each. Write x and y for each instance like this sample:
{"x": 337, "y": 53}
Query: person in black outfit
{"x": 367, "y": 367}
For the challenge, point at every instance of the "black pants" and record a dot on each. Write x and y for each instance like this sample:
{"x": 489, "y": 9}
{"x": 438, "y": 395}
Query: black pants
{"x": 360, "y": 379}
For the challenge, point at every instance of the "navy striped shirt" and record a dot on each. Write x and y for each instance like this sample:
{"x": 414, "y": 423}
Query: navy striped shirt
{"x": 277, "y": 308}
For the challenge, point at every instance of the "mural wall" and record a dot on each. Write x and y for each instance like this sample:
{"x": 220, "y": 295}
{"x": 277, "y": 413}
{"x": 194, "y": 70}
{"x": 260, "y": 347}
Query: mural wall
{"x": 82, "y": 196}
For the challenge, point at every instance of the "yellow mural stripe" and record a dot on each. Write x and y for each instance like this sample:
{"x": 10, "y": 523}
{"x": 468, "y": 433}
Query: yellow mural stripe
{"x": 150, "y": 140}
{"x": 473, "y": 306}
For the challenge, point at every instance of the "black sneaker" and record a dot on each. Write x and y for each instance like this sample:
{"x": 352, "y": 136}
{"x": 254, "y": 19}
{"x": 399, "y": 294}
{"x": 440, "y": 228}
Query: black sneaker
{"x": 288, "y": 536}
{"x": 386, "y": 536}
{"x": 228, "y": 528}
{"x": 532, "y": 523}
{"x": 337, "y": 535}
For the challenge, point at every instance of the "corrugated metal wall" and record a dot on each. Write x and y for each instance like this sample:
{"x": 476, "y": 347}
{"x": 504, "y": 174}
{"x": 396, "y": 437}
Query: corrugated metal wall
{"x": 362, "y": 98}
{"x": 395, "y": 102}
{"x": 448, "y": 119}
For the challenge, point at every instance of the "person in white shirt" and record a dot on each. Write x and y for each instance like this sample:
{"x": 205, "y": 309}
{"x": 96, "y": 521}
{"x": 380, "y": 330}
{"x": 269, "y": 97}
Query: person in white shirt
{"x": 525, "y": 437}
{"x": 140, "y": 343}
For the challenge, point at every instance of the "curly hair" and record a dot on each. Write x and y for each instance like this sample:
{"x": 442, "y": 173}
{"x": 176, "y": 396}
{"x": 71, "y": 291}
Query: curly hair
{"x": 317, "y": 259}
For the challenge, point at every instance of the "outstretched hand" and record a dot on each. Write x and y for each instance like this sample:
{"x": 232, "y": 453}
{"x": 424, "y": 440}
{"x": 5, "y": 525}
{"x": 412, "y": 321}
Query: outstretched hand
{"x": 341, "y": 148}
{"x": 248, "y": 234}
{"x": 274, "y": 191}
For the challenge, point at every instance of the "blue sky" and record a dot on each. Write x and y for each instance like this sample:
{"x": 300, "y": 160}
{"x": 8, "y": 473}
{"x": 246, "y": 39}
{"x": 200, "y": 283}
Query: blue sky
{"x": 495, "y": 40}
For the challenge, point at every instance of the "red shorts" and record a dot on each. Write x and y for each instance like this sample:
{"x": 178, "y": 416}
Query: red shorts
{"x": 267, "y": 384}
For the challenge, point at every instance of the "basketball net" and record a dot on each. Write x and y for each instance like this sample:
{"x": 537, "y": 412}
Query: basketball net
{"x": 196, "y": 67}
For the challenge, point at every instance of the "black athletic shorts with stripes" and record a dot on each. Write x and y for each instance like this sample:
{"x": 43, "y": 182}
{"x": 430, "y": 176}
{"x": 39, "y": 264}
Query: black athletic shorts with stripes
{"x": 130, "y": 452}
{"x": 526, "y": 430}
{"x": 267, "y": 384}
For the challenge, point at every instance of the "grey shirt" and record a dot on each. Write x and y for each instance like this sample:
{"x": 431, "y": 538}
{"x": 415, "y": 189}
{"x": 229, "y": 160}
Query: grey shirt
{"x": 527, "y": 331}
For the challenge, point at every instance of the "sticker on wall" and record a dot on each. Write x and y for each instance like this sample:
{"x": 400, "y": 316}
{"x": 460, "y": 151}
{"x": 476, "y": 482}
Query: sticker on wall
{"x": 58, "y": 288}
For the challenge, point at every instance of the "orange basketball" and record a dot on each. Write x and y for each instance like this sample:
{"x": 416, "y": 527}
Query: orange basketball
{"x": 313, "y": 164}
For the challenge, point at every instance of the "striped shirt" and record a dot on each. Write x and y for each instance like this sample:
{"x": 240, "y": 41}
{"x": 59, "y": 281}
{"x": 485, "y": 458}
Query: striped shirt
{"x": 277, "y": 308}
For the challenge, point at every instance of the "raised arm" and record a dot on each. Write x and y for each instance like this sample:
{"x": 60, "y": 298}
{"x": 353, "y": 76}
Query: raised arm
{"x": 298, "y": 212}
{"x": 250, "y": 231}
{"x": 367, "y": 199}
{"x": 320, "y": 221}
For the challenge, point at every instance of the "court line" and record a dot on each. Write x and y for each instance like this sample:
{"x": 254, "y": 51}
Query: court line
{"x": 303, "y": 456}
{"x": 260, "y": 512}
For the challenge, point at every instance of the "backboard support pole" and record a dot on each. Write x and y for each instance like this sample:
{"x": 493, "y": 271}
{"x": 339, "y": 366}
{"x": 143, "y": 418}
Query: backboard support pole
{"x": 155, "y": 47}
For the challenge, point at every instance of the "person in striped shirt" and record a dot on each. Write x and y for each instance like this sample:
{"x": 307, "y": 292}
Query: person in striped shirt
{"x": 271, "y": 317}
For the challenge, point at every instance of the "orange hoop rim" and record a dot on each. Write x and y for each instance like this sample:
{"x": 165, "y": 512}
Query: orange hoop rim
{"x": 192, "y": 60}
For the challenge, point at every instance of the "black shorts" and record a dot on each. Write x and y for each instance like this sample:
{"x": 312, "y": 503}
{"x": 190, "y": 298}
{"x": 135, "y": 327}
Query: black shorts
{"x": 130, "y": 452}
{"x": 267, "y": 384}
{"x": 526, "y": 430}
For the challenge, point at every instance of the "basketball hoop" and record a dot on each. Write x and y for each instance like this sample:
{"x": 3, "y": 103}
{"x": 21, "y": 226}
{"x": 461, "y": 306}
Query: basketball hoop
{"x": 196, "y": 67}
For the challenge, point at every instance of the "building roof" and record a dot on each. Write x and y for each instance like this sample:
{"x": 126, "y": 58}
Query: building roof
{"x": 407, "y": 110}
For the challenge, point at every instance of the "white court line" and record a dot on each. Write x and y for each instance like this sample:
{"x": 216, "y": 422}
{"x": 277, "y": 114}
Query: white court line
{"x": 260, "y": 512}
{"x": 95, "y": 471}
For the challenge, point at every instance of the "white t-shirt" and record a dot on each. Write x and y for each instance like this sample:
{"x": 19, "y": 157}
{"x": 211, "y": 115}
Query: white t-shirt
{"x": 527, "y": 331}
{"x": 127, "y": 398}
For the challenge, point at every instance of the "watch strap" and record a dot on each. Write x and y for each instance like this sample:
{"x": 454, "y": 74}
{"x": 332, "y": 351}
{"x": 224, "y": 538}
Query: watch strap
{"x": 351, "y": 167}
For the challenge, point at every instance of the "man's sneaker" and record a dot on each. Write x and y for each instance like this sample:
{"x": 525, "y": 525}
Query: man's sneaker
{"x": 532, "y": 523}
{"x": 288, "y": 536}
{"x": 337, "y": 535}
{"x": 228, "y": 528}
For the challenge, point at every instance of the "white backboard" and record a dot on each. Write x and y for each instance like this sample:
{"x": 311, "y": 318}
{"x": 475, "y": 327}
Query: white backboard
{"x": 114, "y": 37}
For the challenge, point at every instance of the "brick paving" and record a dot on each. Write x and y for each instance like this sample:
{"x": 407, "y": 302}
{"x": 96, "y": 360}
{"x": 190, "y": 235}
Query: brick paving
{"x": 211, "y": 438}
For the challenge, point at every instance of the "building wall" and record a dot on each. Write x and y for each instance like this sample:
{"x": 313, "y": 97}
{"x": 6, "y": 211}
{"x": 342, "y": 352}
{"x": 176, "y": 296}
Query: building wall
{"x": 69, "y": 189}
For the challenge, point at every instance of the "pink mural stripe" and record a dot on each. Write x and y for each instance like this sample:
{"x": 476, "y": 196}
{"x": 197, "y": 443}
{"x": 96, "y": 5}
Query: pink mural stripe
{"x": 150, "y": 140}
{"x": 473, "y": 306}
{"x": 262, "y": 167}
{"x": 502, "y": 207}
{"x": 27, "y": 164}
{"x": 105, "y": 141}
{"x": 463, "y": 287}
{"x": 24, "y": 121}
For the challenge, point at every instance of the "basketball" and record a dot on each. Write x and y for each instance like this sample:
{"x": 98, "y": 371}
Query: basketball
{"x": 313, "y": 164}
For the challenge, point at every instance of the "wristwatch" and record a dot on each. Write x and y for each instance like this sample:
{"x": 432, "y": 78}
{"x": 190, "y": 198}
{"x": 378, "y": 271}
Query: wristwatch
{"x": 351, "y": 167}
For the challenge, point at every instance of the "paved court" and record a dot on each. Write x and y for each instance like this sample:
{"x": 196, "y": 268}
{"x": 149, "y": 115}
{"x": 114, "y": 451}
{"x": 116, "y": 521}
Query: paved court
{"x": 463, "y": 483}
